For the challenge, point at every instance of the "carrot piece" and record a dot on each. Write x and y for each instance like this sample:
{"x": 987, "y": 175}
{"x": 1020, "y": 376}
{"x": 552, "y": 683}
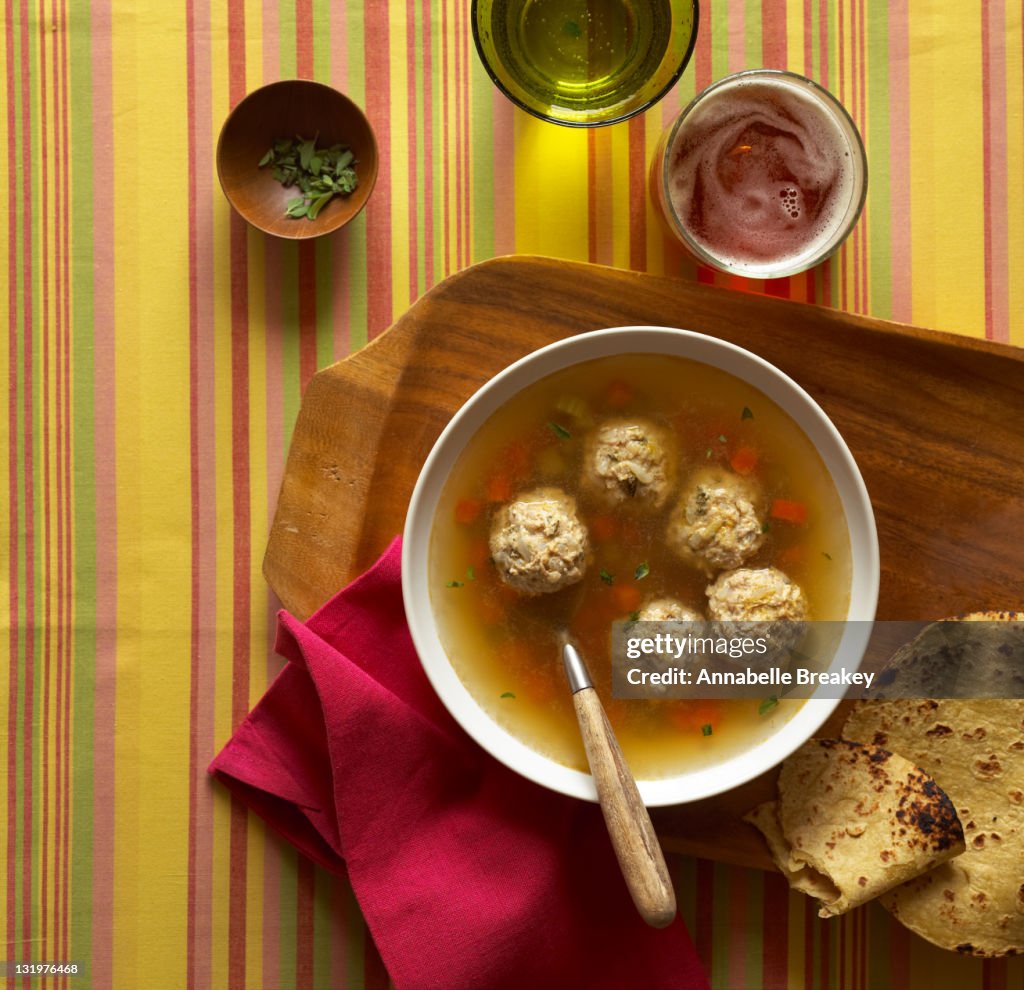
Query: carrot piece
{"x": 538, "y": 685}
{"x": 692, "y": 716}
{"x": 619, "y": 394}
{"x": 788, "y": 510}
{"x": 627, "y": 597}
{"x": 603, "y": 527}
{"x": 467, "y": 510}
{"x": 792, "y": 556}
{"x": 744, "y": 460}
{"x": 516, "y": 458}
{"x": 498, "y": 488}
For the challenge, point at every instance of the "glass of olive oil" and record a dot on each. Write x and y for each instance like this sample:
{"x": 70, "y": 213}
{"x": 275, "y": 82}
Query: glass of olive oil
{"x": 585, "y": 62}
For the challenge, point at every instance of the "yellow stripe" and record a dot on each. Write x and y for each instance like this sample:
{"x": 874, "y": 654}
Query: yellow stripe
{"x": 551, "y": 209}
{"x": 1014, "y": 156}
{"x": 795, "y": 28}
{"x": 945, "y": 154}
{"x": 150, "y": 854}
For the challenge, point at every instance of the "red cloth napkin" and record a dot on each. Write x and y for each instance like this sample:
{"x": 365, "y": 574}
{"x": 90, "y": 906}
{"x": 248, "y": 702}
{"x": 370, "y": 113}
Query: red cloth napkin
{"x": 468, "y": 875}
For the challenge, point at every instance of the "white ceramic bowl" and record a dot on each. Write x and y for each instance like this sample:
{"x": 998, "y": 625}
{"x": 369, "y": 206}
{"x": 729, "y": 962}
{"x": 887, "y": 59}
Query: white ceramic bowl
{"x": 516, "y": 754}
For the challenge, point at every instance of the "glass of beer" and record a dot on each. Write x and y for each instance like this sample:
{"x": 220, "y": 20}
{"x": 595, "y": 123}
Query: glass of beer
{"x": 584, "y": 62}
{"x": 762, "y": 175}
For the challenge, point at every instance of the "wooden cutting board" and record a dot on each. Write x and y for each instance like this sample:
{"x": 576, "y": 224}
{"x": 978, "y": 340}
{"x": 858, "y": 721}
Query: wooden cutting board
{"x": 935, "y": 421}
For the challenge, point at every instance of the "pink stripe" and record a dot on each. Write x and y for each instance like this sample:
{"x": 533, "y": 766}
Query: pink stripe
{"x": 705, "y": 922}
{"x": 737, "y": 35}
{"x": 996, "y": 178}
{"x": 774, "y": 52}
{"x": 306, "y": 263}
{"x": 775, "y": 930}
{"x": 702, "y": 54}
{"x": 899, "y": 204}
{"x": 808, "y": 37}
{"x": 637, "y": 195}
{"x": 340, "y": 259}
{"x": 823, "y": 63}
{"x": 304, "y": 923}
{"x": 104, "y": 753}
{"x": 736, "y": 966}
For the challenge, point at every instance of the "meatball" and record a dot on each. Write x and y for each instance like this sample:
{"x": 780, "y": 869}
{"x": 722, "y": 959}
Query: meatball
{"x": 629, "y": 462}
{"x": 537, "y": 542}
{"x": 760, "y": 603}
{"x": 666, "y": 610}
{"x": 717, "y": 524}
{"x": 761, "y": 595}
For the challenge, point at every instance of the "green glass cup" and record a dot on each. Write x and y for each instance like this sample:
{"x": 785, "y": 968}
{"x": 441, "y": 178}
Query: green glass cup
{"x": 585, "y": 63}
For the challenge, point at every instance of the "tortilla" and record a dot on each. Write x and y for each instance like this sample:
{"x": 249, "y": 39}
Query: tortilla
{"x": 975, "y": 752}
{"x": 980, "y": 655}
{"x": 854, "y": 821}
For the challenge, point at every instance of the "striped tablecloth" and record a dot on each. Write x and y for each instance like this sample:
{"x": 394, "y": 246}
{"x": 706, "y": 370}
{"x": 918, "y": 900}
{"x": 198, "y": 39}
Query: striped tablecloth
{"x": 155, "y": 352}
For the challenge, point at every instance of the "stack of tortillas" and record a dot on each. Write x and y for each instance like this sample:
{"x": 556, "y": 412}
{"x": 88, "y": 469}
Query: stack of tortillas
{"x": 971, "y": 749}
{"x": 975, "y": 751}
{"x": 853, "y": 821}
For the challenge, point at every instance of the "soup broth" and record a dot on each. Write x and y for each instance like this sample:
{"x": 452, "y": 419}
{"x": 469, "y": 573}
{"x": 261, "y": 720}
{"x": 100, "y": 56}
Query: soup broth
{"x": 505, "y": 645}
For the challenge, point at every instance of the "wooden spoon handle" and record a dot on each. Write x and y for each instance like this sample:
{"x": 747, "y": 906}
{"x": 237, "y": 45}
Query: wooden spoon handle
{"x": 629, "y": 824}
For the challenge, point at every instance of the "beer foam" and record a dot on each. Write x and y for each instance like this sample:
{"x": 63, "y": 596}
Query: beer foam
{"x": 761, "y": 175}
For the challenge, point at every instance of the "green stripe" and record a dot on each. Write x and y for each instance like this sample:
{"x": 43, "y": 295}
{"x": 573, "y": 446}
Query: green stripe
{"x": 324, "y": 254}
{"x": 482, "y": 159}
{"x": 718, "y": 17}
{"x": 753, "y": 34}
{"x": 291, "y": 391}
{"x": 720, "y": 924}
{"x": 754, "y": 929}
{"x": 83, "y": 652}
{"x": 879, "y": 180}
{"x": 323, "y": 893}
{"x": 286, "y": 39}
{"x": 321, "y": 40}
{"x": 287, "y": 939}
{"x": 356, "y": 936}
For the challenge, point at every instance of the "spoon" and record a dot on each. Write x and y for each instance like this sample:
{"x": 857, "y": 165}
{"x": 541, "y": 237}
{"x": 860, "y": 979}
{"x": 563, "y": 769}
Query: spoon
{"x": 626, "y": 817}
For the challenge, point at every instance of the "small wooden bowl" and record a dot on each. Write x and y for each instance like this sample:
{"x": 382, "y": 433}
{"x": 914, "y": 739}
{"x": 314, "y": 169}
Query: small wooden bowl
{"x": 286, "y": 109}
